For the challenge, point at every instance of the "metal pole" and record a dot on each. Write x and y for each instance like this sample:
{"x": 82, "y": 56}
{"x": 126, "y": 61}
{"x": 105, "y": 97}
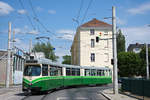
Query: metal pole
{"x": 8, "y": 57}
{"x": 13, "y": 57}
{"x": 115, "y": 72}
{"x": 147, "y": 63}
{"x": 30, "y": 48}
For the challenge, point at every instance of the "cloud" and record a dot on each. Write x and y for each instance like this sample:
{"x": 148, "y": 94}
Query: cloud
{"x": 66, "y": 31}
{"x": 137, "y": 34}
{"x": 67, "y": 34}
{"x": 51, "y": 11}
{"x": 120, "y": 21}
{"x": 18, "y": 31}
{"x": 5, "y": 8}
{"x": 22, "y": 11}
{"x": 17, "y": 40}
{"x": 21, "y": 44}
{"x": 25, "y": 30}
{"x": 4, "y": 32}
{"x": 39, "y": 9}
{"x": 33, "y": 32}
{"x": 143, "y": 8}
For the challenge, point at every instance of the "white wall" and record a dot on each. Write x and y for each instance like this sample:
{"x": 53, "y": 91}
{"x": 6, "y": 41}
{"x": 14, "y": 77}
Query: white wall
{"x": 102, "y": 49}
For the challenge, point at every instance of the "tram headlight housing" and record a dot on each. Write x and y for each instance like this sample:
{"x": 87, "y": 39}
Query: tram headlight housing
{"x": 30, "y": 83}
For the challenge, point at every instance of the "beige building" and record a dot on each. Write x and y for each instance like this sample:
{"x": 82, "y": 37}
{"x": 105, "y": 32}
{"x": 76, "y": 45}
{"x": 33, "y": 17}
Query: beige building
{"x": 92, "y": 45}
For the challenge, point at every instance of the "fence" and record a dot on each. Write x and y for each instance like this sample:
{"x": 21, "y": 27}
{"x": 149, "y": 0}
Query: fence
{"x": 136, "y": 86}
{"x": 3, "y": 66}
{"x": 16, "y": 68}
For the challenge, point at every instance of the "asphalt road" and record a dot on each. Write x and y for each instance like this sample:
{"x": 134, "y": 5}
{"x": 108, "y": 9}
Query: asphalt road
{"x": 78, "y": 93}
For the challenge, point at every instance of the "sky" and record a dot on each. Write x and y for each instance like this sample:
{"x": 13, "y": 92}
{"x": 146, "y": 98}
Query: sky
{"x": 58, "y": 19}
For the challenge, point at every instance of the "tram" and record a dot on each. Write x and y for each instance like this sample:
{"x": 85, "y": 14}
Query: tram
{"x": 44, "y": 75}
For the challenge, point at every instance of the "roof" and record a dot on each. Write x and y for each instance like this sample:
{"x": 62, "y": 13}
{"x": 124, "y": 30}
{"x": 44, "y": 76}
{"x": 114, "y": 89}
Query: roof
{"x": 132, "y": 46}
{"x": 95, "y": 23}
{"x": 47, "y": 61}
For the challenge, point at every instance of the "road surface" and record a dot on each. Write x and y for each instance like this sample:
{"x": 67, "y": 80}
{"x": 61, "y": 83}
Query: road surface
{"x": 79, "y": 93}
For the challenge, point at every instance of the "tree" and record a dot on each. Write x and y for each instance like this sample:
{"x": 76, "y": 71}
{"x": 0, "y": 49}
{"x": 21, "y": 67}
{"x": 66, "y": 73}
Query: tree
{"x": 120, "y": 42}
{"x": 66, "y": 59}
{"x": 129, "y": 64}
{"x": 47, "y": 49}
{"x": 143, "y": 58}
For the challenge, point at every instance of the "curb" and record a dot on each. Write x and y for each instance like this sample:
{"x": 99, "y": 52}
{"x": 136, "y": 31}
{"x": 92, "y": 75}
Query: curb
{"x": 105, "y": 95}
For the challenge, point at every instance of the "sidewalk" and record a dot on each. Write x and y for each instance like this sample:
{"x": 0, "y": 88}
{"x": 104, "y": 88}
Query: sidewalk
{"x": 108, "y": 93}
{"x": 4, "y": 90}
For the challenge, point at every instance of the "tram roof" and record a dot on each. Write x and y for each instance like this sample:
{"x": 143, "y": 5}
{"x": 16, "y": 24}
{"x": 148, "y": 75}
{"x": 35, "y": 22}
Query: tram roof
{"x": 49, "y": 62}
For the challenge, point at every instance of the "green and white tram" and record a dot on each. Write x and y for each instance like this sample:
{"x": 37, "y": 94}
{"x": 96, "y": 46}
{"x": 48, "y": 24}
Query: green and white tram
{"x": 44, "y": 75}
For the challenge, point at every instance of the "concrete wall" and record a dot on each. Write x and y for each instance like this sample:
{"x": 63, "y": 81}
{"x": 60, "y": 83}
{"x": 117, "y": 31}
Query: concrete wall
{"x": 3, "y": 66}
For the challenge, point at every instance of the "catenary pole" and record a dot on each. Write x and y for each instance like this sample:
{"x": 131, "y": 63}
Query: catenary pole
{"x": 8, "y": 56}
{"x": 147, "y": 63}
{"x": 30, "y": 48}
{"x": 115, "y": 72}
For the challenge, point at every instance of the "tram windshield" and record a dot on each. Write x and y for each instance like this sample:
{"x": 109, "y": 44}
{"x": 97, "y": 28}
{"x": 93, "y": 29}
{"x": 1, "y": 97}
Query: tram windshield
{"x": 32, "y": 70}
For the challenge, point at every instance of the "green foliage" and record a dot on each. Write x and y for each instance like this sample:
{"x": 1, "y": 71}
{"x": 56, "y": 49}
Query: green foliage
{"x": 120, "y": 42}
{"x": 47, "y": 49}
{"x": 66, "y": 59}
{"x": 143, "y": 58}
{"x": 129, "y": 64}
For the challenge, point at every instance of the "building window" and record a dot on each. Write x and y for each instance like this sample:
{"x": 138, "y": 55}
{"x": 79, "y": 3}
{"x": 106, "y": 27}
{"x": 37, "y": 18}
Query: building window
{"x": 97, "y": 39}
{"x": 106, "y": 57}
{"x": 92, "y": 43}
{"x": 92, "y": 31}
{"x": 106, "y": 43}
{"x": 92, "y": 57}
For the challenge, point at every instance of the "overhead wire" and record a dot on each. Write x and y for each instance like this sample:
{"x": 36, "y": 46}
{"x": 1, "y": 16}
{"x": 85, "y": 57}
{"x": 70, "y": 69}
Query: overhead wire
{"x": 81, "y": 6}
{"x": 86, "y": 11}
{"x": 28, "y": 17}
{"x": 38, "y": 20}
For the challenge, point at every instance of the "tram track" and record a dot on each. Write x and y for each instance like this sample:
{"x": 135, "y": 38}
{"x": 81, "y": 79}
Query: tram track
{"x": 26, "y": 96}
{"x": 68, "y": 93}
{"x": 40, "y": 96}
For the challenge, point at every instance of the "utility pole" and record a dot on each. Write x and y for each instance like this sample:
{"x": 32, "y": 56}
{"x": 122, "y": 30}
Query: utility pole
{"x": 115, "y": 72}
{"x": 8, "y": 56}
{"x": 147, "y": 63}
{"x": 30, "y": 48}
{"x": 13, "y": 40}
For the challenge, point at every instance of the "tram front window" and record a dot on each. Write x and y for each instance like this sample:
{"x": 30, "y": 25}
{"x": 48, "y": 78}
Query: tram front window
{"x": 32, "y": 70}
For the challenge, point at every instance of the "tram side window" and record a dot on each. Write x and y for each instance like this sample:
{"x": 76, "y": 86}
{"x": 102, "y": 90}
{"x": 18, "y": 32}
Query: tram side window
{"x": 73, "y": 72}
{"x": 44, "y": 70}
{"x": 53, "y": 71}
{"x": 87, "y": 72}
{"x": 93, "y": 72}
{"x": 77, "y": 72}
{"x": 59, "y": 70}
{"x": 98, "y": 72}
{"x": 102, "y": 72}
{"x": 68, "y": 71}
{"x": 110, "y": 73}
